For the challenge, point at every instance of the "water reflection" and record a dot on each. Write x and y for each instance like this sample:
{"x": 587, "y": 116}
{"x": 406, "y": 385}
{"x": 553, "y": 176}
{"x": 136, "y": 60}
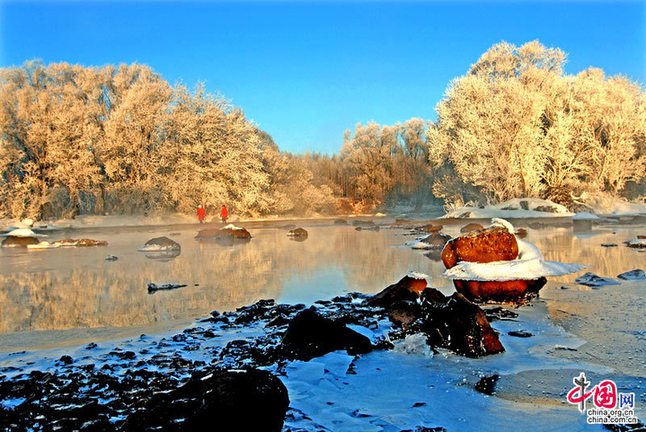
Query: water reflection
{"x": 77, "y": 288}
{"x": 70, "y": 288}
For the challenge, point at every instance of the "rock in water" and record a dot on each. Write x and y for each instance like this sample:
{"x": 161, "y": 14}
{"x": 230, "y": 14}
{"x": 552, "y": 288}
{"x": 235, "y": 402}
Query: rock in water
{"x": 298, "y": 233}
{"x": 229, "y": 232}
{"x": 492, "y": 244}
{"x": 153, "y": 287}
{"x": 457, "y": 324}
{"x": 487, "y": 385}
{"x": 593, "y": 280}
{"x": 242, "y": 400}
{"x": 12, "y": 241}
{"x": 311, "y": 335}
{"x": 513, "y": 290}
{"x": 471, "y": 227}
{"x": 161, "y": 244}
{"x": 636, "y": 274}
{"x": 80, "y": 242}
{"x": 408, "y": 288}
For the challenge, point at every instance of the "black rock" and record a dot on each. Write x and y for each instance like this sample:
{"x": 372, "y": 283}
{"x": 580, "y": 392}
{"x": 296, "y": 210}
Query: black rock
{"x": 487, "y": 385}
{"x": 520, "y": 333}
{"x": 226, "y": 400}
{"x": 636, "y": 274}
{"x": 311, "y": 335}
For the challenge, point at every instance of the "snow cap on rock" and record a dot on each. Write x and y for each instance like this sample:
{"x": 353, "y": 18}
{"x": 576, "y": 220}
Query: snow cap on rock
{"x": 503, "y": 223}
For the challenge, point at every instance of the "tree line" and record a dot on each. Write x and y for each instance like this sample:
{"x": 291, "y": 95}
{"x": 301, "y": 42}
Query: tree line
{"x": 120, "y": 139}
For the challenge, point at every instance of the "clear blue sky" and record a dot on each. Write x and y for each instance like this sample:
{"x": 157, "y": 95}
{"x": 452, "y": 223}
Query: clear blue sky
{"x": 306, "y": 71}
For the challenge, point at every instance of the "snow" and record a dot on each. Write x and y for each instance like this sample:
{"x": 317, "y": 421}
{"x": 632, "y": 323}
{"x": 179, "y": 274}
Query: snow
{"x": 593, "y": 280}
{"x": 503, "y": 223}
{"x": 605, "y": 204}
{"x": 530, "y": 264}
{"x": 418, "y": 275}
{"x": 22, "y": 232}
{"x": 585, "y": 216}
{"x": 232, "y": 227}
{"x": 44, "y": 245}
{"x": 511, "y": 209}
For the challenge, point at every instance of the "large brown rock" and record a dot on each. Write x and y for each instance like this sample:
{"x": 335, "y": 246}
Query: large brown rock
{"x": 162, "y": 243}
{"x": 223, "y": 233}
{"x": 514, "y": 290}
{"x": 12, "y": 241}
{"x": 488, "y": 245}
{"x": 471, "y": 227}
{"x": 436, "y": 240}
{"x": 408, "y": 288}
{"x": 457, "y": 324}
{"x": 298, "y": 233}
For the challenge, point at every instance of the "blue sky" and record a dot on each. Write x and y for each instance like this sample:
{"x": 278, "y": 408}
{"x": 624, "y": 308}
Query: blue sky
{"x": 306, "y": 71}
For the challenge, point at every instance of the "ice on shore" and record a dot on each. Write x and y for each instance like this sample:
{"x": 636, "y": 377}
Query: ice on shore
{"x": 22, "y": 232}
{"x": 514, "y": 208}
{"x": 44, "y": 245}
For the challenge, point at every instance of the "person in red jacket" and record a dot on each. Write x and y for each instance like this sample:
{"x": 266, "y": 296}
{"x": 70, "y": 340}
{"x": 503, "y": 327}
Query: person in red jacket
{"x": 201, "y": 213}
{"x": 224, "y": 213}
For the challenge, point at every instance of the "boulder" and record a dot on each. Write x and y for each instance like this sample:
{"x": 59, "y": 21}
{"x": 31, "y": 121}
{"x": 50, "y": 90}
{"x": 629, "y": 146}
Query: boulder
{"x": 513, "y": 290}
{"x": 521, "y": 233}
{"x": 310, "y": 335}
{"x": 404, "y": 313}
{"x": 471, "y": 227}
{"x": 436, "y": 240}
{"x": 340, "y": 222}
{"x": 224, "y": 400}
{"x": 457, "y": 324}
{"x": 408, "y": 288}
{"x": 298, "y": 233}
{"x": 363, "y": 223}
{"x": 495, "y": 243}
{"x": 161, "y": 244}
{"x": 430, "y": 228}
{"x": 13, "y": 241}
{"x": 229, "y": 232}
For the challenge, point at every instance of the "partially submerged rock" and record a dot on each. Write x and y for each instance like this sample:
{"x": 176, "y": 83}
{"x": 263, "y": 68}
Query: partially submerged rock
{"x": 161, "y": 244}
{"x": 636, "y": 274}
{"x": 638, "y": 242}
{"x": 501, "y": 291}
{"x": 229, "y": 232}
{"x": 297, "y": 234}
{"x": 311, "y": 335}
{"x": 153, "y": 287}
{"x": 457, "y": 324}
{"x": 593, "y": 280}
{"x": 471, "y": 227}
{"x": 12, "y": 241}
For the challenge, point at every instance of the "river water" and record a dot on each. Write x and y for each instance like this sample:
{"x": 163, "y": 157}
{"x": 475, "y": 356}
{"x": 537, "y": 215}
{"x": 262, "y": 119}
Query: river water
{"x": 71, "y": 296}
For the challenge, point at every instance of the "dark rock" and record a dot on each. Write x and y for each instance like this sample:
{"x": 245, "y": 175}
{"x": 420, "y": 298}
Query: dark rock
{"x": 111, "y": 258}
{"x": 13, "y": 241}
{"x": 636, "y": 274}
{"x": 161, "y": 244}
{"x": 66, "y": 360}
{"x": 457, "y": 324}
{"x": 500, "y": 313}
{"x": 235, "y": 233}
{"x": 404, "y": 313}
{"x": 487, "y": 385}
{"x": 425, "y": 429}
{"x": 408, "y": 288}
{"x": 311, "y": 335}
{"x": 524, "y": 205}
{"x": 520, "y": 333}
{"x": 363, "y": 223}
{"x": 232, "y": 400}
{"x": 436, "y": 240}
{"x": 609, "y": 245}
{"x": 297, "y": 234}
{"x": 471, "y": 227}
{"x": 635, "y": 427}
{"x": 593, "y": 280}
{"x": 153, "y": 287}
{"x": 488, "y": 245}
{"x": 464, "y": 215}
{"x": 340, "y": 222}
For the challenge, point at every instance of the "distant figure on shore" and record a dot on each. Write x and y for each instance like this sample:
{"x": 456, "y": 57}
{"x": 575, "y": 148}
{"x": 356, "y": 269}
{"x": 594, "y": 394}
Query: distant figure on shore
{"x": 201, "y": 213}
{"x": 224, "y": 213}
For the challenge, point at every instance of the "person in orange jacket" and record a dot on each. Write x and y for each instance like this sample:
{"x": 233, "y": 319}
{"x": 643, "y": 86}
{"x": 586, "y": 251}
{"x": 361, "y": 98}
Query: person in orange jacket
{"x": 224, "y": 213}
{"x": 201, "y": 213}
